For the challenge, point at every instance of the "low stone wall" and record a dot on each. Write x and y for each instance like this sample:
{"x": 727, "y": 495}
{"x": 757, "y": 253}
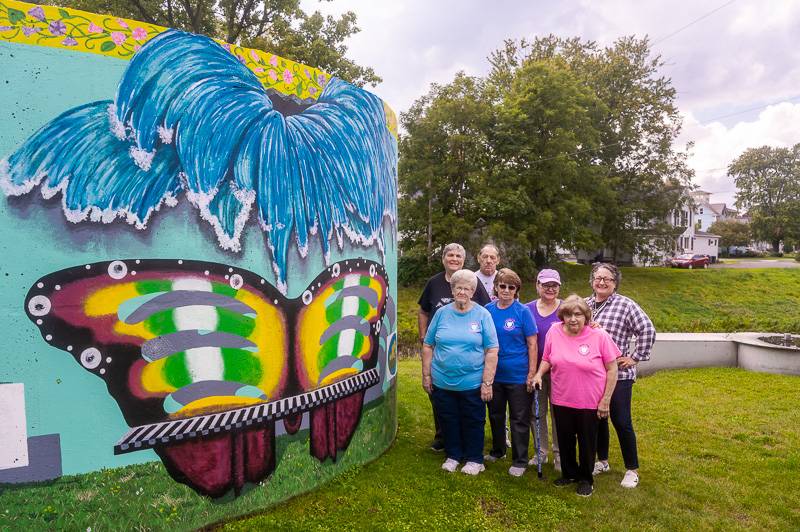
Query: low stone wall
{"x": 702, "y": 350}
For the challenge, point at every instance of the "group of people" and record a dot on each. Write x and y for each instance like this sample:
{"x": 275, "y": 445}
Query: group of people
{"x": 482, "y": 349}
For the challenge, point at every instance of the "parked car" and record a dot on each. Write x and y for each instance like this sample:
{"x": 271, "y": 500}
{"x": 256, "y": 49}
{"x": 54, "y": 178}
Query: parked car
{"x": 688, "y": 260}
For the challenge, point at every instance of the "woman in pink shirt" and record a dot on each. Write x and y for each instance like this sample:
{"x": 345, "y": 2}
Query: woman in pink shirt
{"x": 583, "y": 365}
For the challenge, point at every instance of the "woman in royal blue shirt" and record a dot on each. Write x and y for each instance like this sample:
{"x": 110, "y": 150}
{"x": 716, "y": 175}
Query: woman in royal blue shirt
{"x": 516, "y": 365}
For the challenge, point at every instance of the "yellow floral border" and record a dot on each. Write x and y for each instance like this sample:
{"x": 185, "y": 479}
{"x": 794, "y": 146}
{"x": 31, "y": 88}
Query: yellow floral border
{"x": 72, "y": 29}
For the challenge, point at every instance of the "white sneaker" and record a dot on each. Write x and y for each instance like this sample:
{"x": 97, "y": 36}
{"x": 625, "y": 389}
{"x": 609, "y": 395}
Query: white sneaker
{"x": 450, "y": 465}
{"x": 516, "y": 471}
{"x": 535, "y": 462}
{"x": 472, "y": 468}
{"x": 630, "y": 480}
{"x": 600, "y": 467}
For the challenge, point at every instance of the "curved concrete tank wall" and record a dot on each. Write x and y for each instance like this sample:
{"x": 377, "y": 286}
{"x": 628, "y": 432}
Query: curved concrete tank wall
{"x": 700, "y": 350}
{"x": 199, "y": 264}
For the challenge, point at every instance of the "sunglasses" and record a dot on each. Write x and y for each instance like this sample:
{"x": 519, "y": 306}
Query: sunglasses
{"x": 509, "y": 287}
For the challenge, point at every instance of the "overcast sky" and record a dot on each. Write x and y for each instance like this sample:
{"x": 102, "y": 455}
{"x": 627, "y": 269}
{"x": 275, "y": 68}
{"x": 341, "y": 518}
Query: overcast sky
{"x": 737, "y": 70}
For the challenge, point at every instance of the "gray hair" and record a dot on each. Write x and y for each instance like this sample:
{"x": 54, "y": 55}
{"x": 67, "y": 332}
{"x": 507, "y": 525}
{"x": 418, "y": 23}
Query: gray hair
{"x": 612, "y": 268}
{"x": 464, "y": 276}
{"x": 497, "y": 251}
{"x": 454, "y": 247}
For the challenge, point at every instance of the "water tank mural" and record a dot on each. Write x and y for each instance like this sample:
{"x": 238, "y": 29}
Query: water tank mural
{"x": 198, "y": 276}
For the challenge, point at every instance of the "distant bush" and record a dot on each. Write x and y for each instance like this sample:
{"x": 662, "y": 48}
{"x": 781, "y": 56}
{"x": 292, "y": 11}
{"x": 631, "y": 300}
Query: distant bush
{"x": 776, "y": 254}
{"x": 415, "y": 270}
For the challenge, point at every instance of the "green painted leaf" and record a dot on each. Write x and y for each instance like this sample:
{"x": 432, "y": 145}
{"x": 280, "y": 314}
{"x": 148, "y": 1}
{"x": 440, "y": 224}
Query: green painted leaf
{"x": 15, "y": 15}
{"x": 299, "y": 89}
{"x": 107, "y": 46}
{"x": 64, "y": 13}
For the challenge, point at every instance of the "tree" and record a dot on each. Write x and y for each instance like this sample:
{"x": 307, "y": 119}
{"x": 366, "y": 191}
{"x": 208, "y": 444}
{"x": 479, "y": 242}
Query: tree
{"x": 444, "y": 164}
{"x": 645, "y": 176}
{"x": 768, "y": 187}
{"x": 731, "y": 232}
{"x": 278, "y": 26}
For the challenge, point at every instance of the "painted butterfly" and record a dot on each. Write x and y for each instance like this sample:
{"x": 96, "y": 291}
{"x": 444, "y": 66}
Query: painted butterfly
{"x": 202, "y": 358}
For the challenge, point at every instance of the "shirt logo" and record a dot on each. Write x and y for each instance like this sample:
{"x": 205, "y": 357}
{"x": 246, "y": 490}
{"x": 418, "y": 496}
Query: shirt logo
{"x": 474, "y": 327}
{"x": 583, "y": 349}
{"x": 509, "y": 324}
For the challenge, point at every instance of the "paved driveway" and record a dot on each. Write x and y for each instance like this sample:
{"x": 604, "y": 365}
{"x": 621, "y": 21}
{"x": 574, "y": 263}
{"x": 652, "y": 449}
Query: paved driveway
{"x": 745, "y": 263}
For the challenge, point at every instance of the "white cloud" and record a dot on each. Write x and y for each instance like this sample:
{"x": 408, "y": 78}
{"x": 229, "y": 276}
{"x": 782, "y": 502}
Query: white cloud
{"x": 717, "y": 145}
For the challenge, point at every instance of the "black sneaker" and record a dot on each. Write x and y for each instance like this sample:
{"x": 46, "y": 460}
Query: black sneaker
{"x": 437, "y": 446}
{"x": 585, "y": 489}
{"x": 561, "y": 482}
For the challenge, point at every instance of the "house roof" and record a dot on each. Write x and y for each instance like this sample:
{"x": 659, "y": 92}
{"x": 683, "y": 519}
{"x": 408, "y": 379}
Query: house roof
{"x": 704, "y": 234}
{"x": 718, "y": 208}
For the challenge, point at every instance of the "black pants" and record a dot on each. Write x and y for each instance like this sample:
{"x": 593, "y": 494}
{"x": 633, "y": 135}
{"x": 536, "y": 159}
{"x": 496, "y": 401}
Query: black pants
{"x": 519, "y": 405}
{"x": 576, "y": 425}
{"x": 437, "y": 425}
{"x": 623, "y": 425}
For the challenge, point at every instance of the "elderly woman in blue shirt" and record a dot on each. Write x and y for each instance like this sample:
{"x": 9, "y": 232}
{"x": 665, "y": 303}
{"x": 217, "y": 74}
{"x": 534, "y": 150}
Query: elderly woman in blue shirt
{"x": 459, "y": 358}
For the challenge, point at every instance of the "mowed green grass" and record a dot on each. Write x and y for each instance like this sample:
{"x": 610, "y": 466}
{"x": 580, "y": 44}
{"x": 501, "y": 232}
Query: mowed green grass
{"x": 712, "y": 300}
{"x": 719, "y": 449}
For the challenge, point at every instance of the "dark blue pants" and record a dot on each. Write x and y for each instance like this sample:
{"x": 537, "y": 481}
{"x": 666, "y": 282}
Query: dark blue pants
{"x": 519, "y": 405}
{"x": 462, "y": 416}
{"x": 623, "y": 424}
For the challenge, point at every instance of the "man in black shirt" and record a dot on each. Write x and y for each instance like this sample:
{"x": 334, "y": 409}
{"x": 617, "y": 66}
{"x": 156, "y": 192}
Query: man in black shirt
{"x": 437, "y": 293}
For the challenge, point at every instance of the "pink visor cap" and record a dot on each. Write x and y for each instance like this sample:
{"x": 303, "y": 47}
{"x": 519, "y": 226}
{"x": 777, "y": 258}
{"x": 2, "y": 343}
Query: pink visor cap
{"x": 548, "y": 276}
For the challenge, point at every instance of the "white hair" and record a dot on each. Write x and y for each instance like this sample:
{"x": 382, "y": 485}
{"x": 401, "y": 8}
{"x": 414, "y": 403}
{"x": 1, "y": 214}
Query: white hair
{"x": 456, "y": 247}
{"x": 464, "y": 276}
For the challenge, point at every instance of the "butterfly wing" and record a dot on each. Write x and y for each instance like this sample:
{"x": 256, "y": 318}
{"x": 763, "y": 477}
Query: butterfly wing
{"x": 171, "y": 338}
{"x": 336, "y": 338}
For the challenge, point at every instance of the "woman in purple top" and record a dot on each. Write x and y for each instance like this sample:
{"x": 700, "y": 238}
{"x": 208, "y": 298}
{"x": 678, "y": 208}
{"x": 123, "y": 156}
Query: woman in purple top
{"x": 545, "y": 314}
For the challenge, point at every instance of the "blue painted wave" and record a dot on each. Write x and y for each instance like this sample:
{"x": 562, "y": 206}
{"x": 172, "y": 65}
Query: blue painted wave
{"x": 189, "y": 117}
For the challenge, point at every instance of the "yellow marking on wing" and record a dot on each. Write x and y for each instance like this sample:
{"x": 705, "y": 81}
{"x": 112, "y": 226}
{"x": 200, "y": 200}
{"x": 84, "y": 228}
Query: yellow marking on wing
{"x": 271, "y": 338}
{"x": 153, "y": 378}
{"x": 338, "y": 375}
{"x": 215, "y": 403}
{"x": 108, "y": 300}
{"x": 312, "y": 323}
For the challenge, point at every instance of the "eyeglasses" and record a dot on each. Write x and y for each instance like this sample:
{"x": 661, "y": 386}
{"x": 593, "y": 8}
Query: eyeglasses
{"x": 463, "y": 289}
{"x": 550, "y": 286}
{"x": 509, "y": 287}
{"x": 606, "y": 280}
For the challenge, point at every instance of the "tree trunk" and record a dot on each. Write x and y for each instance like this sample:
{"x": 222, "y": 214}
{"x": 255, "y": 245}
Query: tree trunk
{"x": 430, "y": 222}
{"x": 776, "y": 245}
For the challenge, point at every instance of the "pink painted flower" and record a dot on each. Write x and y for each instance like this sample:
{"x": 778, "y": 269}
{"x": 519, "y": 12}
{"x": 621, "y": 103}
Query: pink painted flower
{"x": 258, "y": 70}
{"x": 272, "y": 75}
{"x": 69, "y": 41}
{"x": 38, "y": 13}
{"x": 253, "y": 55}
{"x": 273, "y": 60}
{"x": 287, "y": 77}
{"x": 94, "y": 28}
{"x": 122, "y": 23}
{"x": 140, "y": 34}
{"x": 57, "y": 28}
{"x": 29, "y": 30}
{"x": 118, "y": 37}
{"x": 137, "y": 47}
{"x": 241, "y": 59}
{"x": 321, "y": 79}
{"x": 307, "y": 73}
{"x": 226, "y": 46}
{"x": 312, "y": 91}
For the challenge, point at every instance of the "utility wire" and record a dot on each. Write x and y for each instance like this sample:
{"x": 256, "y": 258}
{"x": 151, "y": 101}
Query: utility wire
{"x": 695, "y": 21}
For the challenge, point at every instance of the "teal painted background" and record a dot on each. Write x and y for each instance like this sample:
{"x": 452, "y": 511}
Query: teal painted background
{"x": 36, "y": 85}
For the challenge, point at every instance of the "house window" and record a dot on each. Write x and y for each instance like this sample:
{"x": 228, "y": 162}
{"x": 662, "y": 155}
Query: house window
{"x": 692, "y": 244}
{"x": 710, "y": 242}
{"x": 701, "y": 210}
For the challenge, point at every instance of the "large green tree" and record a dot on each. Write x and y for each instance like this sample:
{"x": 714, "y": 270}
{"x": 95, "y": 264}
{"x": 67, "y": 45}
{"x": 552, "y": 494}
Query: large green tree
{"x": 445, "y": 161}
{"x": 768, "y": 187}
{"x": 731, "y": 232}
{"x": 278, "y": 26}
{"x": 645, "y": 175}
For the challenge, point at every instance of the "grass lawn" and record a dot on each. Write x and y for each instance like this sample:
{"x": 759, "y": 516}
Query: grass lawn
{"x": 713, "y": 300}
{"x": 719, "y": 449}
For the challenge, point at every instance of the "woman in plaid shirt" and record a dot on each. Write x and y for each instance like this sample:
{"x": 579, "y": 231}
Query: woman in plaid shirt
{"x": 623, "y": 319}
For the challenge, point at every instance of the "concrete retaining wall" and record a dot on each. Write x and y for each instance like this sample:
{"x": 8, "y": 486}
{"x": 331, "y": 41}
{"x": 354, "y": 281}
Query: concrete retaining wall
{"x": 702, "y": 350}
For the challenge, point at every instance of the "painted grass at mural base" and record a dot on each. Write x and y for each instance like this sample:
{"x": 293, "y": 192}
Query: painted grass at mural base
{"x": 714, "y": 300}
{"x": 719, "y": 449}
{"x": 145, "y": 497}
